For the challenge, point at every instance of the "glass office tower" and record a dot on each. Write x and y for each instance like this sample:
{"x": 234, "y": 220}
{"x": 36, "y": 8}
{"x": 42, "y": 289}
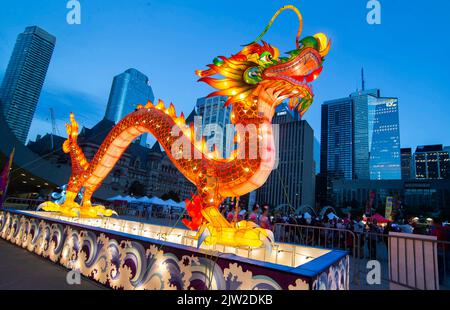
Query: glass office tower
{"x": 24, "y": 78}
{"x": 361, "y": 132}
{"x": 337, "y": 139}
{"x": 384, "y": 139}
{"x": 360, "y": 137}
{"x": 129, "y": 89}
{"x": 215, "y": 118}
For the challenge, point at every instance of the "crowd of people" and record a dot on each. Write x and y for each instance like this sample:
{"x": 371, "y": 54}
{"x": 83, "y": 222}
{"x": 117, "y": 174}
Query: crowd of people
{"x": 369, "y": 231}
{"x": 259, "y": 216}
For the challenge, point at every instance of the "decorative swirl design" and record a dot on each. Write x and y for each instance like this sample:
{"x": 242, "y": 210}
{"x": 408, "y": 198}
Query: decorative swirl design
{"x": 132, "y": 264}
{"x": 335, "y": 278}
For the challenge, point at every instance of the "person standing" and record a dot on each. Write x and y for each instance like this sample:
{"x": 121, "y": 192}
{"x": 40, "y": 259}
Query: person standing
{"x": 254, "y": 215}
{"x": 359, "y": 228}
{"x": 264, "y": 220}
{"x": 373, "y": 238}
{"x": 230, "y": 215}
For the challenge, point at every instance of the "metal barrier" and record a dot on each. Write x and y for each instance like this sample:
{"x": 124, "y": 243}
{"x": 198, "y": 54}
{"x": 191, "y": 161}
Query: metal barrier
{"x": 368, "y": 246}
{"x": 22, "y": 203}
{"x": 331, "y": 238}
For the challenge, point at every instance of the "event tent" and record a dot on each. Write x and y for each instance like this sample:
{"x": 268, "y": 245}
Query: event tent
{"x": 129, "y": 198}
{"x": 332, "y": 216}
{"x": 144, "y": 199}
{"x": 379, "y": 218}
{"x": 118, "y": 197}
{"x": 157, "y": 201}
{"x": 171, "y": 203}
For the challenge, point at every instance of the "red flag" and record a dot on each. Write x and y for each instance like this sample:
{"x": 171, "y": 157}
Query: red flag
{"x": 4, "y": 177}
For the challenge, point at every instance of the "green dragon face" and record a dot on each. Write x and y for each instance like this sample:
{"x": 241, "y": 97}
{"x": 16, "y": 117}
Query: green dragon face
{"x": 259, "y": 66}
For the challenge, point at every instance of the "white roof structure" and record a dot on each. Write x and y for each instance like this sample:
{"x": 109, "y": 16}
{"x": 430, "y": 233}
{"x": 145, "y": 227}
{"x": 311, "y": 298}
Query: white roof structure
{"x": 129, "y": 198}
{"x": 171, "y": 203}
{"x": 331, "y": 216}
{"x": 144, "y": 199}
{"x": 118, "y": 197}
{"x": 157, "y": 201}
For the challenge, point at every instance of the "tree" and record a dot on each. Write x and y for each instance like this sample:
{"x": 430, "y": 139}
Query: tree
{"x": 171, "y": 195}
{"x": 136, "y": 189}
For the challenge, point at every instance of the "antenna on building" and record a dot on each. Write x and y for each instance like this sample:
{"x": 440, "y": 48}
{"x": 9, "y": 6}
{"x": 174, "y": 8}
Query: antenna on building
{"x": 363, "y": 82}
{"x": 55, "y": 130}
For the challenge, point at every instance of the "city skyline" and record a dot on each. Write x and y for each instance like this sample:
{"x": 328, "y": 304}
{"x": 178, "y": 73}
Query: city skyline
{"x": 85, "y": 48}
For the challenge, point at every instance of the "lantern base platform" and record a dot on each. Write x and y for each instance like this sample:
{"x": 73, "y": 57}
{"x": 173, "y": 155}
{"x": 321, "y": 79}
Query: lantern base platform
{"x": 124, "y": 254}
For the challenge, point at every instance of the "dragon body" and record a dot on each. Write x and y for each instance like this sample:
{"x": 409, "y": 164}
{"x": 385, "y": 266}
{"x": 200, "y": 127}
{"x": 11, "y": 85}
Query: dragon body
{"x": 255, "y": 80}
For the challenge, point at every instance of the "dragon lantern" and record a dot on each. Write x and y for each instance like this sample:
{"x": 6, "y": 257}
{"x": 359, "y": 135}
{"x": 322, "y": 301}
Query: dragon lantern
{"x": 255, "y": 80}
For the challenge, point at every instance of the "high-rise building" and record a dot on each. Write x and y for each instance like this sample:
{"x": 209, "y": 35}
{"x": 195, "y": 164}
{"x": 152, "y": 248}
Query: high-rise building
{"x": 24, "y": 78}
{"x": 360, "y": 139}
{"x": 216, "y": 123}
{"x": 361, "y": 134}
{"x": 128, "y": 89}
{"x": 407, "y": 164}
{"x": 384, "y": 139}
{"x": 316, "y": 155}
{"x": 292, "y": 182}
{"x": 337, "y": 139}
{"x": 432, "y": 162}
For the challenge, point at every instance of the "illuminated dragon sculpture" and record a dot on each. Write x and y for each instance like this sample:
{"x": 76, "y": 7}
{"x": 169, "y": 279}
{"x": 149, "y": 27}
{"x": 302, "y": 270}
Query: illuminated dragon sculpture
{"x": 255, "y": 80}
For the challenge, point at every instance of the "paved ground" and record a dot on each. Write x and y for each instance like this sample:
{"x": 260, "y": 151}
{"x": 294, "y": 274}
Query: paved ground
{"x": 22, "y": 270}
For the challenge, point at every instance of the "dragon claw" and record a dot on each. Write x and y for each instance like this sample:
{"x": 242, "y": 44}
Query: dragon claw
{"x": 89, "y": 210}
{"x": 73, "y": 209}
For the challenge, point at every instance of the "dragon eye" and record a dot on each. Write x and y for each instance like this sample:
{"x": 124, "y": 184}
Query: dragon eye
{"x": 265, "y": 57}
{"x": 252, "y": 76}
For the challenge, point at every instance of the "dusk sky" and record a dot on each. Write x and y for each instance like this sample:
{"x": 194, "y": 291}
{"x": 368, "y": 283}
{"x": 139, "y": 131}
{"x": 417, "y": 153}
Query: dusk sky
{"x": 405, "y": 56}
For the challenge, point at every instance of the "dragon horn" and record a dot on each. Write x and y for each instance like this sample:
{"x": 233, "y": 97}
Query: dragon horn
{"x": 286, "y": 7}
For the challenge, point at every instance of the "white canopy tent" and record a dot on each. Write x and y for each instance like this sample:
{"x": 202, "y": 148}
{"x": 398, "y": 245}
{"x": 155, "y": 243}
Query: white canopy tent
{"x": 332, "y": 216}
{"x": 129, "y": 198}
{"x": 144, "y": 199}
{"x": 171, "y": 203}
{"x": 306, "y": 215}
{"x": 157, "y": 201}
{"x": 118, "y": 197}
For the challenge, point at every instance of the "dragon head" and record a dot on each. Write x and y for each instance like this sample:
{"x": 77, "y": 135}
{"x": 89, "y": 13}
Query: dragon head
{"x": 259, "y": 66}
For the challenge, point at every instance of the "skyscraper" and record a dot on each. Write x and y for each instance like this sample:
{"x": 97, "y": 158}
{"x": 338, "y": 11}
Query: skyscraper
{"x": 215, "y": 118}
{"x": 360, "y": 101}
{"x": 336, "y": 145}
{"x": 360, "y": 138}
{"x": 384, "y": 139}
{"x": 292, "y": 182}
{"x": 24, "y": 78}
{"x": 128, "y": 89}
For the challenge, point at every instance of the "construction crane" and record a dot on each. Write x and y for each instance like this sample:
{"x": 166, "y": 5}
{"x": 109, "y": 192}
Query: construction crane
{"x": 55, "y": 130}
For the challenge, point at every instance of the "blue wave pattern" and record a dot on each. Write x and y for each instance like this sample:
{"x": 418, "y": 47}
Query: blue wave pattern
{"x": 128, "y": 265}
{"x": 335, "y": 278}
